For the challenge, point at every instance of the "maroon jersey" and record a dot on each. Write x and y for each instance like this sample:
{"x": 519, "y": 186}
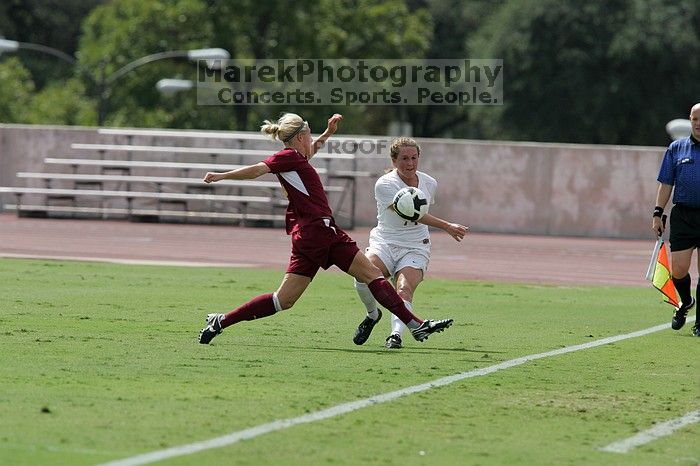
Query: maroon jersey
{"x": 307, "y": 199}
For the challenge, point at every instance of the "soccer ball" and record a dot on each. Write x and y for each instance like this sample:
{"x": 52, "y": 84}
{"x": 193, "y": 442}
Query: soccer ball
{"x": 410, "y": 204}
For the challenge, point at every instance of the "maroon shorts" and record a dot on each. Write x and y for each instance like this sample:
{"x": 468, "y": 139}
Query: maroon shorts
{"x": 320, "y": 244}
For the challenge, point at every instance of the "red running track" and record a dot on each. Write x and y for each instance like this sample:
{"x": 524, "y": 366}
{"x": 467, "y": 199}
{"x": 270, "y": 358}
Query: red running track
{"x": 491, "y": 257}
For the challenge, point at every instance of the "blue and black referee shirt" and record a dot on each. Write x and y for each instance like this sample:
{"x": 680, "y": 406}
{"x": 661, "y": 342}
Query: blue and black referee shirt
{"x": 681, "y": 169}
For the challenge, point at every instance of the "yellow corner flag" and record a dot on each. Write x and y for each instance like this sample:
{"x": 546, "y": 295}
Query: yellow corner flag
{"x": 661, "y": 276}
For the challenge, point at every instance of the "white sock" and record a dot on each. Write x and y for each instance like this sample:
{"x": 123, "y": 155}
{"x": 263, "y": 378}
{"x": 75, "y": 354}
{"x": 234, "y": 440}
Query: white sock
{"x": 367, "y": 299}
{"x": 397, "y": 327}
{"x": 276, "y": 302}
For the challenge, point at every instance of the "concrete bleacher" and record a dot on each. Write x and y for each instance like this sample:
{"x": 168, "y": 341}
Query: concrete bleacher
{"x": 159, "y": 182}
{"x": 495, "y": 186}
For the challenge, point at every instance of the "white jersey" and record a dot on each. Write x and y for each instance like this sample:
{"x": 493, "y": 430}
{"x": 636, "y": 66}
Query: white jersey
{"x": 392, "y": 229}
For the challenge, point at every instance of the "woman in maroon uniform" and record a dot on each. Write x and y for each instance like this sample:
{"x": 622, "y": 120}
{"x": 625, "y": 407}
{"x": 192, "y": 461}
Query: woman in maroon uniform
{"x": 316, "y": 240}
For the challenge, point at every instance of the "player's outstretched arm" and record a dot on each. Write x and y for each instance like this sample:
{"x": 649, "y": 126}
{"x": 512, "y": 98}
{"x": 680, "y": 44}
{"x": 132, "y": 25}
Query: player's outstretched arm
{"x": 330, "y": 130}
{"x": 244, "y": 173}
{"x": 455, "y": 230}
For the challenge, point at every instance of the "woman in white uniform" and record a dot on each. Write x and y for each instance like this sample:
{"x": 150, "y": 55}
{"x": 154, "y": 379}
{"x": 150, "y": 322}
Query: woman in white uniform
{"x": 400, "y": 248}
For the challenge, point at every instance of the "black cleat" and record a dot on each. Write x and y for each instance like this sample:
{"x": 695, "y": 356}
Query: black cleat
{"x": 696, "y": 329}
{"x": 365, "y": 329}
{"x": 393, "y": 341}
{"x": 212, "y": 329}
{"x": 678, "y": 320}
{"x": 429, "y": 327}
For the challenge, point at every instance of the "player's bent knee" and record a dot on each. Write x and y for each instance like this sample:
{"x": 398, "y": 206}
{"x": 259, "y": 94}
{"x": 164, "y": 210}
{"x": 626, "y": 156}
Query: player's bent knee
{"x": 372, "y": 272}
{"x": 363, "y": 270}
{"x": 405, "y": 292}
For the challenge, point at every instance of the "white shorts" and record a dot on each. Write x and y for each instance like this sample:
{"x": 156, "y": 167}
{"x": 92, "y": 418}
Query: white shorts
{"x": 396, "y": 258}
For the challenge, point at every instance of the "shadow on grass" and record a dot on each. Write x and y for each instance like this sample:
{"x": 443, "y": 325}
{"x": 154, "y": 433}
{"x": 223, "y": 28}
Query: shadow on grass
{"x": 378, "y": 350}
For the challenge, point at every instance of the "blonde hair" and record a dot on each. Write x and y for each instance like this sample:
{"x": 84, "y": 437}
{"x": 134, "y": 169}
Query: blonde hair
{"x": 288, "y": 126}
{"x": 403, "y": 141}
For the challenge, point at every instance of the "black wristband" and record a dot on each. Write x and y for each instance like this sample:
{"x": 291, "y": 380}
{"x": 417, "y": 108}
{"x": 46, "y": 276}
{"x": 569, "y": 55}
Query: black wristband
{"x": 658, "y": 211}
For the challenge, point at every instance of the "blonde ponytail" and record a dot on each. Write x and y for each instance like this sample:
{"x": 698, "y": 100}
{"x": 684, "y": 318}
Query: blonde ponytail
{"x": 288, "y": 126}
{"x": 270, "y": 128}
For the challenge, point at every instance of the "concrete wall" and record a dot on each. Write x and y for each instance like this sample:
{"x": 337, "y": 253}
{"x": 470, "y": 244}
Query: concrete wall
{"x": 504, "y": 187}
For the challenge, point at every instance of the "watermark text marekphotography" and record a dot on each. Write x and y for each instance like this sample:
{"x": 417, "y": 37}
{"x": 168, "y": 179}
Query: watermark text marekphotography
{"x": 352, "y": 82}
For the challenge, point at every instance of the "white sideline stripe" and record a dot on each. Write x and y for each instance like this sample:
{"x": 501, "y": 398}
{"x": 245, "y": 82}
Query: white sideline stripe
{"x": 660, "y": 430}
{"x": 116, "y": 260}
{"x": 349, "y": 407}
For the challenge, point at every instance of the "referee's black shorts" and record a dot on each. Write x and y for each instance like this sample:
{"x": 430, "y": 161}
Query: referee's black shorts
{"x": 685, "y": 228}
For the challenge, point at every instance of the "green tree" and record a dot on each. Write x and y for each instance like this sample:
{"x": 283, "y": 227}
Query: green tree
{"x": 123, "y": 30}
{"x": 54, "y": 23}
{"x": 117, "y": 33}
{"x": 320, "y": 29}
{"x": 371, "y": 29}
{"x": 592, "y": 72}
{"x": 655, "y": 78}
{"x": 16, "y": 88}
{"x": 376, "y": 30}
{"x": 62, "y": 103}
{"x": 454, "y": 22}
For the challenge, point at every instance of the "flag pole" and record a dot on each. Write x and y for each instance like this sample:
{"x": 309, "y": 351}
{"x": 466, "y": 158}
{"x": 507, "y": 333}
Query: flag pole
{"x": 655, "y": 253}
{"x": 654, "y": 258}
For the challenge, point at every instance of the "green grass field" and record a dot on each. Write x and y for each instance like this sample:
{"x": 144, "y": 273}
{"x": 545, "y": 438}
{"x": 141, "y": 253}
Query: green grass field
{"x": 99, "y": 362}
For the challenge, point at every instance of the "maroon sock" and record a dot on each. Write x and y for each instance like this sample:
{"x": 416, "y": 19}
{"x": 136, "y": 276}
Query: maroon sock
{"x": 386, "y": 295}
{"x": 262, "y": 306}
